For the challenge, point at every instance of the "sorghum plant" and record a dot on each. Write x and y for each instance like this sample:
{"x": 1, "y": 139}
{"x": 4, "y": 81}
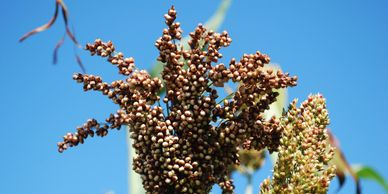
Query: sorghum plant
{"x": 304, "y": 154}
{"x": 191, "y": 144}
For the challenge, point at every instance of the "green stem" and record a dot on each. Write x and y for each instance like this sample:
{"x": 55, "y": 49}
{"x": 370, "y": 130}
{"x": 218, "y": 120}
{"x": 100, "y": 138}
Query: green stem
{"x": 134, "y": 180}
{"x": 249, "y": 188}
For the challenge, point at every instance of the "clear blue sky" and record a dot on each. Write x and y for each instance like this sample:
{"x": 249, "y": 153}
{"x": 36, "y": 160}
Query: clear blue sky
{"x": 337, "y": 48}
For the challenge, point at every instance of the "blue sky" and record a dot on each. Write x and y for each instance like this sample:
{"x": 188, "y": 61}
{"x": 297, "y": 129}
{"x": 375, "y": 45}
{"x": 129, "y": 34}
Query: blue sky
{"x": 337, "y": 48}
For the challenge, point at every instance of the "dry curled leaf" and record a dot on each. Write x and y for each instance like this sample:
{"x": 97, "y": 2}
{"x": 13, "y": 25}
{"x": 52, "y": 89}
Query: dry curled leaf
{"x": 57, "y": 46}
{"x": 342, "y": 165}
{"x": 68, "y": 32}
{"x": 43, "y": 27}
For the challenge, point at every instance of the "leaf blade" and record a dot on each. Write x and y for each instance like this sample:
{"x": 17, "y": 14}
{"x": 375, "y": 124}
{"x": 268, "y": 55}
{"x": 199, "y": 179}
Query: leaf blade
{"x": 43, "y": 27}
{"x": 342, "y": 164}
{"x": 367, "y": 172}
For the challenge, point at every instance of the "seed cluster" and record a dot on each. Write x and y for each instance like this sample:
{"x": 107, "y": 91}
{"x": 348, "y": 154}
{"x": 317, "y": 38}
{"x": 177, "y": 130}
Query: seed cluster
{"x": 125, "y": 65}
{"x": 304, "y": 151}
{"x": 188, "y": 146}
{"x": 133, "y": 95}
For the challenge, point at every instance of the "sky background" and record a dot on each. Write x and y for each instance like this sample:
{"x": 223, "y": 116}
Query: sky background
{"x": 337, "y": 48}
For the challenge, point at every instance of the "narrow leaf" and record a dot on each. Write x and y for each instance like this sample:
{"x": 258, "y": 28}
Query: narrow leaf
{"x": 342, "y": 164}
{"x": 157, "y": 69}
{"x": 57, "y": 46}
{"x": 367, "y": 172}
{"x": 68, "y": 32}
{"x": 341, "y": 179}
{"x": 215, "y": 22}
{"x": 80, "y": 64}
{"x": 43, "y": 27}
{"x": 228, "y": 90}
{"x": 65, "y": 14}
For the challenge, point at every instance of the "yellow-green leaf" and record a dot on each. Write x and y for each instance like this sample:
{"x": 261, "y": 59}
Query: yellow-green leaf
{"x": 366, "y": 172}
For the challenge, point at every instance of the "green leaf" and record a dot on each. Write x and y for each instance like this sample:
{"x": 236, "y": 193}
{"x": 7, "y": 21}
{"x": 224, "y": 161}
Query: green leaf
{"x": 215, "y": 22}
{"x": 156, "y": 70}
{"x": 366, "y": 172}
